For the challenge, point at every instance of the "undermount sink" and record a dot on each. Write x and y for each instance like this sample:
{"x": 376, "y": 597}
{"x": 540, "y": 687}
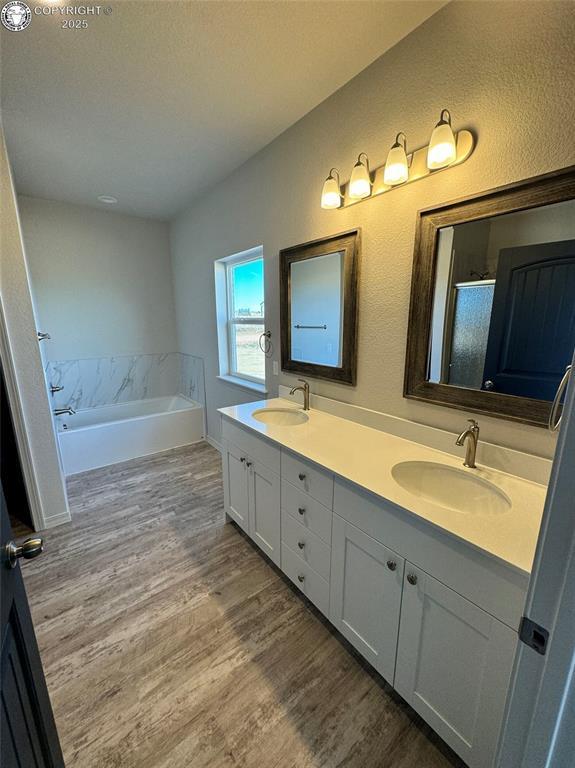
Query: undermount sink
{"x": 449, "y": 487}
{"x": 280, "y": 417}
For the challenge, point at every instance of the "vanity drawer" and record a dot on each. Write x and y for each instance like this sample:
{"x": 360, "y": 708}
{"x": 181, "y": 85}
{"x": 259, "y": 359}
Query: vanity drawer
{"x": 307, "y": 511}
{"x": 306, "y": 545}
{"x": 257, "y": 448}
{"x": 314, "y": 587}
{"x": 307, "y": 477}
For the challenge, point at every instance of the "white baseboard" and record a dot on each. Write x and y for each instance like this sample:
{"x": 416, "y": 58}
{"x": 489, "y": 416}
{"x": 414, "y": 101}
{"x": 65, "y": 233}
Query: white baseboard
{"x": 54, "y": 520}
{"x": 213, "y": 443}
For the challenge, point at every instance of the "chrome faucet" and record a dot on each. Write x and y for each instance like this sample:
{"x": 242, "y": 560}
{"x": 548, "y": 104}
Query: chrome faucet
{"x": 469, "y": 437}
{"x": 63, "y": 411}
{"x": 305, "y": 390}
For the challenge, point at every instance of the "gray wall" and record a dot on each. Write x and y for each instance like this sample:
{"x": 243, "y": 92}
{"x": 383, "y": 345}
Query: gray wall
{"x": 101, "y": 281}
{"x": 44, "y": 481}
{"x": 507, "y": 73}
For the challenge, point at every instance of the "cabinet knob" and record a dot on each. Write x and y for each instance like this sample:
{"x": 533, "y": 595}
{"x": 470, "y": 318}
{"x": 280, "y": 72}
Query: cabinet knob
{"x": 248, "y": 463}
{"x": 301, "y": 476}
{"x": 412, "y": 578}
{"x": 301, "y": 578}
{"x": 392, "y": 565}
{"x": 243, "y": 458}
{"x": 301, "y": 544}
{"x": 301, "y": 510}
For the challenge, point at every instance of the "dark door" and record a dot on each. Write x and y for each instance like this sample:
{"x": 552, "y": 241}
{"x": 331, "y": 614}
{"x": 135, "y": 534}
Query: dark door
{"x": 532, "y": 330}
{"x": 28, "y": 737}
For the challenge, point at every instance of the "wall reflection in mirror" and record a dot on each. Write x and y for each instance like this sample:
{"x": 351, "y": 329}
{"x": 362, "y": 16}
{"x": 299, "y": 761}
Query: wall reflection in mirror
{"x": 317, "y": 309}
{"x": 503, "y": 315}
{"x": 318, "y": 306}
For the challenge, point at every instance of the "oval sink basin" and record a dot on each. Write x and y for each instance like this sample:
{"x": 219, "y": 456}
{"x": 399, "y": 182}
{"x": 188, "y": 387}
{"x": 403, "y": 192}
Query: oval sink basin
{"x": 280, "y": 417}
{"x": 455, "y": 489}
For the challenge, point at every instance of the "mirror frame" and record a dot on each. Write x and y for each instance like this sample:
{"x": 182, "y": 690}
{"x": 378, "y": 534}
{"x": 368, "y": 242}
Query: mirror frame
{"x": 555, "y": 187}
{"x": 349, "y": 243}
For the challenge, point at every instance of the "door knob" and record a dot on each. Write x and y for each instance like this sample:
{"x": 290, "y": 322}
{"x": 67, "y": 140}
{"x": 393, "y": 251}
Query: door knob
{"x": 412, "y": 578}
{"x": 29, "y": 549}
{"x": 488, "y": 384}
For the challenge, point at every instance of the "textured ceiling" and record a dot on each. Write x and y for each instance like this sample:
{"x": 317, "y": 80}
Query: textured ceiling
{"x": 159, "y": 100}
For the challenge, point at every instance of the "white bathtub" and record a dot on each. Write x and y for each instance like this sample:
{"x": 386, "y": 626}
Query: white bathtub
{"x": 96, "y": 437}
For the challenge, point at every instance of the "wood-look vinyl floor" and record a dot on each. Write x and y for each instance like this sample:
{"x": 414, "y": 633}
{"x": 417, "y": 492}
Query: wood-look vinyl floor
{"x": 169, "y": 641}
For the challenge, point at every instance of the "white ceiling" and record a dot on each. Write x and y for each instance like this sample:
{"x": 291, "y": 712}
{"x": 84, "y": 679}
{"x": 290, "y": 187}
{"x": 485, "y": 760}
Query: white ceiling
{"x": 159, "y": 100}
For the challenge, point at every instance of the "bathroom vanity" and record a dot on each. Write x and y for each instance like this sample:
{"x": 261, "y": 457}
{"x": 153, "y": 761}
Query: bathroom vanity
{"x": 421, "y": 564}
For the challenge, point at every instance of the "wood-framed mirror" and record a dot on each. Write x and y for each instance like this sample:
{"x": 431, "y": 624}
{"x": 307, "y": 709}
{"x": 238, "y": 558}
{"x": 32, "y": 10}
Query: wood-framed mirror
{"x": 318, "y": 307}
{"x": 492, "y": 312}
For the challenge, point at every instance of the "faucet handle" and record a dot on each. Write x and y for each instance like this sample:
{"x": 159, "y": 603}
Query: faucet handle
{"x": 474, "y": 422}
{"x": 303, "y": 381}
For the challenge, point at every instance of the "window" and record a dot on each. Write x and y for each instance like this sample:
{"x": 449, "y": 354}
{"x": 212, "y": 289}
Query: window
{"x": 241, "y": 316}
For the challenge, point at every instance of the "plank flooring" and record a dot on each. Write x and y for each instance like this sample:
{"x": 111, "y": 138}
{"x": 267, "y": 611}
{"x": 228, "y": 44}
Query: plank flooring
{"x": 169, "y": 641}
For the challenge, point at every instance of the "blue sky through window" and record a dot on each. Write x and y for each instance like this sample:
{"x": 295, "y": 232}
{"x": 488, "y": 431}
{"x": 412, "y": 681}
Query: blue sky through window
{"x": 248, "y": 288}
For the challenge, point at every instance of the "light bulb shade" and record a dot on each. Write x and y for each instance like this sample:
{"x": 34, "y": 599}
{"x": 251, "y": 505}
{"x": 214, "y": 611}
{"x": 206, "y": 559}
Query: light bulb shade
{"x": 396, "y": 170}
{"x": 360, "y": 182}
{"x": 442, "y": 150}
{"x": 330, "y": 194}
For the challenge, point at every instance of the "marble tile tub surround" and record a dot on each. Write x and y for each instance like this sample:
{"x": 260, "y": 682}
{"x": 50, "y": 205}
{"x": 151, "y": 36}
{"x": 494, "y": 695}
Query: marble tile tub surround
{"x": 93, "y": 382}
{"x": 525, "y": 465}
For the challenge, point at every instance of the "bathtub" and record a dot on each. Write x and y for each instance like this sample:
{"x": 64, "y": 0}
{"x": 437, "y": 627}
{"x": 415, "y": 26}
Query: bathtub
{"x": 96, "y": 437}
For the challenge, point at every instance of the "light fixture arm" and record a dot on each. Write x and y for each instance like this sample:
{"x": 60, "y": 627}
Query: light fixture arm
{"x": 444, "y": 120}
{"x": 364, "y": 162}
{"x": 401, "y": 141}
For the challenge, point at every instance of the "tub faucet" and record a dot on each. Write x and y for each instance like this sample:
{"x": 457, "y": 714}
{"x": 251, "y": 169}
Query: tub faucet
{"x": 305, "y": 390}
{"x": 63, "y": 411}
{"x": 469, "y": 437}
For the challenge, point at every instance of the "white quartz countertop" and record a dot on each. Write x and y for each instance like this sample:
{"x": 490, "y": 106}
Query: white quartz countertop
{"x": 366, "y": 456}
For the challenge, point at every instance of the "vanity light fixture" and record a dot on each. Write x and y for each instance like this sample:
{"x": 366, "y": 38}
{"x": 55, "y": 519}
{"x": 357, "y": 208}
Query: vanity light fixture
{"x": 396, "y": 168}
{"x": 360, "y": 182}
{"x": 331, "y": 196}
{"x": 442, "y": 150}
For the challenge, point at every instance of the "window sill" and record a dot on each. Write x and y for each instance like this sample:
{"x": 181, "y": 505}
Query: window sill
{"x": 244, "y": 384}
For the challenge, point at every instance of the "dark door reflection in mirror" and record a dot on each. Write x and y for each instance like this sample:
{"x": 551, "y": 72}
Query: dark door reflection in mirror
{"x": 492, "y": 312}
{"x": 504, "y": 305}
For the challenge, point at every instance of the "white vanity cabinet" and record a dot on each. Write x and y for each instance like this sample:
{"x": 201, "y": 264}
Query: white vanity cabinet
{"x": 453, "y": 665}
{"x": 252, "y": 488}
{"x": 434, "y": 615}
{"x": 365, "y": 599}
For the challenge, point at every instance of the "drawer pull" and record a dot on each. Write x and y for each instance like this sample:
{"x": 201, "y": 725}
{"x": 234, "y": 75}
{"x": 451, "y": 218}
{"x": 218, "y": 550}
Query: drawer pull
{"x": 392, "y": 565}
{"x": 301, "y": 544}
{"x": 301, "y": 510}
{"x": 301, "y": 476}
{"x": 301, "y": 578}
{"x": 412, "y": 578}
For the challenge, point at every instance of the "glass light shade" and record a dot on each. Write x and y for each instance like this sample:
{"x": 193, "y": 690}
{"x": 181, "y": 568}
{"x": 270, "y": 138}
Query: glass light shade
{"x": 330, "y": 195}
{"x": 360, "y": 183}
{"x": 441, "y": 151}
{"x": 396, "y": 170}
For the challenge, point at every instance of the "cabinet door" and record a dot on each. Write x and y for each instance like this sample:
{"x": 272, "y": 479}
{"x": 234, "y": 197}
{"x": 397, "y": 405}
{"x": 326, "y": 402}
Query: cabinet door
{"x": 236, "y": 479}
{"x": 453, "y": 666}
{"x": 265, "y": 527}
{"x": 365, "y": 595}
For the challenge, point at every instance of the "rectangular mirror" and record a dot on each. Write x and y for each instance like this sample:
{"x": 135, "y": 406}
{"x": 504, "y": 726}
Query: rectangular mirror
{"x": 492, "y": 318}
{"x": 318, "y": 291}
